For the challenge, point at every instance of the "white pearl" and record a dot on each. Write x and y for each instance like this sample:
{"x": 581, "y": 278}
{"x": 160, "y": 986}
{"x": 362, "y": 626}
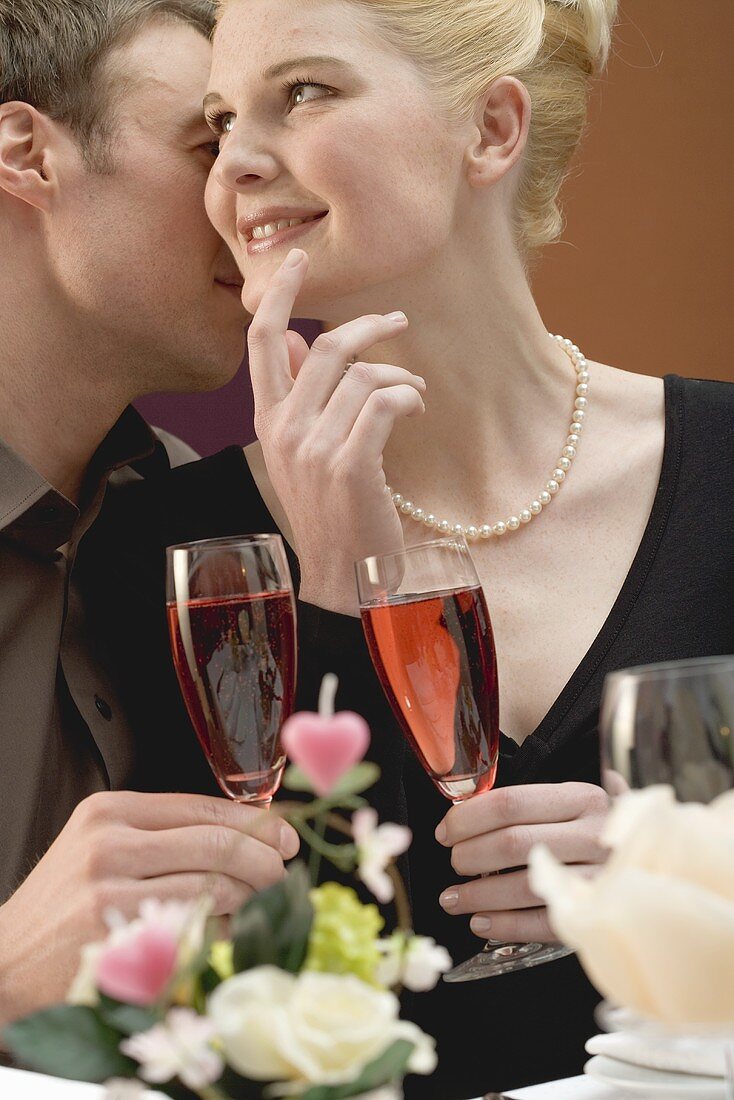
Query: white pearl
{"x": 430, "y": 520}
{"x": 407, "y": 507}
{"x": 559, "y": 474}
{"x": 572, "y": 440}
{"x": 536, "y": 508}
{"x": 552, "y": 487}
{"x": 513, "y": 523}
{"x": 568, "y": 343}
{"x": 444, "y": 527}
{"x": 574, "y": 349}
{"x": 582, "y": 389}
{"x": 581, "y": 402}
{"x": 526, "y": 515}
{"x": 472, "y": 533}
{"x": 577, "y": 426}
{"x": 397, "y": 499}
{"x": 419, "y": 515}
{"x": 485, "y": 531}
{"x": 581, "y": 363}
{"x": 457, "y": 529}
{"x": 578, "y": 416}
{"x": 564, "y": 463}
{"x": 569, "y": 452}
{"x": 499, "y": 528}
{"x": 544, "y": 497}
{"x": 583, "y": 377}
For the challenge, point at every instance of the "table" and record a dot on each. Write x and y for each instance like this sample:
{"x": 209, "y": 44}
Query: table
{"x": 16, "y": 1084}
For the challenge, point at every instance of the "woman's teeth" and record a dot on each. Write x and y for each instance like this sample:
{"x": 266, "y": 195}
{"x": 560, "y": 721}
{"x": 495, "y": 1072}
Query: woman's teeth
{"x": 262, "y": 232}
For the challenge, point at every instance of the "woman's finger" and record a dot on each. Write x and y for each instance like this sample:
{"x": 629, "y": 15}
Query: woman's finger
{"x": 330, "y": 353}
{"x": 571, "y": 842}
{"x": 298, "y": 350}
{"x": 496, "y": 892}
{"x": 350, "y": 396}
{"x": 528, "y": 804}
{"x": 516, "y": 926}
{"x": 270, "y": 371}
{"x": 375, "y": 423}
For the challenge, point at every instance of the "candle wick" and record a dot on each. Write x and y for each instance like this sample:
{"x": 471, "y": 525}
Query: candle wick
{"x": 327, "y": 695}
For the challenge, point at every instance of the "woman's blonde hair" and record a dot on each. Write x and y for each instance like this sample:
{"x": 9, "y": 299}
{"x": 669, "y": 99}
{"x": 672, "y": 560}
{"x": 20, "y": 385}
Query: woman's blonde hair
{"x": 555, "y": 47}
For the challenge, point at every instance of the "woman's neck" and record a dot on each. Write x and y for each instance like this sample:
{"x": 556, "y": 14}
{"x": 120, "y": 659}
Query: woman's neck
{"x": 500, "y": 392}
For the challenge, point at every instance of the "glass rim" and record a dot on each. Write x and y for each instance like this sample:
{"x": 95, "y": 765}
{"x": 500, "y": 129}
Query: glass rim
{"x": 683, "y": 667}
{"x": 456, "y": 542}
{"x": 225, "y": 540}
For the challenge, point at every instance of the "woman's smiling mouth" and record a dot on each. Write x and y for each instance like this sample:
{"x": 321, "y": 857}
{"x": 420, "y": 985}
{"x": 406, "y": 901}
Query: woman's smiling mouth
{"x": 268, "y": 229}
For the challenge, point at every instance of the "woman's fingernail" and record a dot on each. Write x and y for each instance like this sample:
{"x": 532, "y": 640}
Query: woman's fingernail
{"x": 449, "y": 899}
{"x": 482, "y": 926}
{"x": 399, "y": 317}
{"x": 288, "y": 843}
{"x": 441, "y": 832}
{"x": 294, "y": 257}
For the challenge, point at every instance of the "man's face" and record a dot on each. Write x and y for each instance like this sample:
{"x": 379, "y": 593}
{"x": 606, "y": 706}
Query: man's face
{"x": 133, "y": 253}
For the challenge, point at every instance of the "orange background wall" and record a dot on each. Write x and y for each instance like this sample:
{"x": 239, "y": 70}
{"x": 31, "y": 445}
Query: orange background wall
{"x": 643, "y": 276}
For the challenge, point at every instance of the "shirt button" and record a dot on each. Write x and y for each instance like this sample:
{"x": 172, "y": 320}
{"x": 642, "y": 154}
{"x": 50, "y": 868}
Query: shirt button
{"x": 103, "y": 707}
{"x": 48, "y": 514}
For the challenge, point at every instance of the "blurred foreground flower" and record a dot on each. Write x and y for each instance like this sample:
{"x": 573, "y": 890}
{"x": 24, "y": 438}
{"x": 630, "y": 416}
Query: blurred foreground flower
{"x": 654, "y": 928}
{"x": 179, "y": 1047}
{"x": 344, "y": 933}
{"x": 416, "y": 962}
{"x": 377, "y": 846}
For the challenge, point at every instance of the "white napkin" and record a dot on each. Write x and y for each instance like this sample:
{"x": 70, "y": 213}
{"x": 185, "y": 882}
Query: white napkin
{"x": 701, "y": 1055}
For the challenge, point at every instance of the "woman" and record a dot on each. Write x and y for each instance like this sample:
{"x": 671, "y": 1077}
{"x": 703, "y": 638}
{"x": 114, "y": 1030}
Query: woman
{"x": 415, "y": 149}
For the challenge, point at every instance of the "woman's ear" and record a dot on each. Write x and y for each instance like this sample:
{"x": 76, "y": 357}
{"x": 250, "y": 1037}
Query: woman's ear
{"x": 502, "y": 124}
{"x": 24, "y": 155}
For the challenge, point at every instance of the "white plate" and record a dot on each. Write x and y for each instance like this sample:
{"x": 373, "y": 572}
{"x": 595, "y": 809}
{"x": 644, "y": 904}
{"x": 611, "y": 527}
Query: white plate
{"x": 640, "y": 1081}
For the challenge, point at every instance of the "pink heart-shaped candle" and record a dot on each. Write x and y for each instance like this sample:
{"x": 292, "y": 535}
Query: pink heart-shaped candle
{"x": 326, "y": 745}
{"x": 138, "y": 970}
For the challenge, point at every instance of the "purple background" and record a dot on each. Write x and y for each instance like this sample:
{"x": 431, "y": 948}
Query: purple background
{"x": 211, "y": 421}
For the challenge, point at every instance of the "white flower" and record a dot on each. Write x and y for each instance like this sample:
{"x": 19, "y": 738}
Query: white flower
{"x": 413, "y": 961}
{"x": 179, "y": 1047}
{"x": 377, "y": 846}
{"x": 311, "y": 1029}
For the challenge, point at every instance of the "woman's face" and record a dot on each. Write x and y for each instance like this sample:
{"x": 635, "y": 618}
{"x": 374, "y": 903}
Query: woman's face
{"x": 321, "y": 120}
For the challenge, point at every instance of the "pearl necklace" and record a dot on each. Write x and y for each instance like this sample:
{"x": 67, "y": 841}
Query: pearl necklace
{"x": 552, "y": 486}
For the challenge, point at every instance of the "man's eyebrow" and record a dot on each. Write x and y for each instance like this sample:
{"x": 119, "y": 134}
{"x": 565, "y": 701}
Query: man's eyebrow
{"x": 284, "y": 67}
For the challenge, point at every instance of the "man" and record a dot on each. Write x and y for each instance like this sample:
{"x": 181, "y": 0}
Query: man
{"x": 113, "y": 284}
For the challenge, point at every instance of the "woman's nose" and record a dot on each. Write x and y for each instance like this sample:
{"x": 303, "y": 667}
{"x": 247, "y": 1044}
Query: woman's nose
{"x": 238, "y": 168}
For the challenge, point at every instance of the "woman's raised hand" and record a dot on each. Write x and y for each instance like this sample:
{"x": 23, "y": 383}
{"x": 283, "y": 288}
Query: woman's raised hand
{"x": 323, "y": 433}
{"x": 495, "y": 832}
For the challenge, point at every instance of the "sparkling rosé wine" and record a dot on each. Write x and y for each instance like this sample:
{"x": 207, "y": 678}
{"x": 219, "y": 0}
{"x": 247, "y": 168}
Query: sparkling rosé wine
{"x": 436, "y": 661}
{"x": 236, "y": 663}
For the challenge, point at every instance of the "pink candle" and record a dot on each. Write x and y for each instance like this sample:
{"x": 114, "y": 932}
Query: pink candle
{"x": 326, "y": 745}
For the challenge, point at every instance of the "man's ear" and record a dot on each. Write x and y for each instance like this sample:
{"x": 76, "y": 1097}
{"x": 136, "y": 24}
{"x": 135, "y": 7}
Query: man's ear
{"x": 502, "y": 126}
{"x": 24, "y": 155}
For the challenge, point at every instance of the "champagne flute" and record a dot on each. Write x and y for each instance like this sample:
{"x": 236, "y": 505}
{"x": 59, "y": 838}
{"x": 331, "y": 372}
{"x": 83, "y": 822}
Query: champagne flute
{"x": 232, "y": 623}
{"x": 669, "y": 723}
{"x": 430, "y": 638}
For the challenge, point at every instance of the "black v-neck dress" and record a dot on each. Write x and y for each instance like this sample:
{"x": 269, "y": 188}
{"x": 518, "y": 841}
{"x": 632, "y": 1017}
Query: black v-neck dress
{"x": 676, "y": 602}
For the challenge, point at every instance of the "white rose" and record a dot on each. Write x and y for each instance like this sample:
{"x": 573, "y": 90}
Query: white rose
{"x": 311, "y": 1029}
{"x": 654, "y": 928}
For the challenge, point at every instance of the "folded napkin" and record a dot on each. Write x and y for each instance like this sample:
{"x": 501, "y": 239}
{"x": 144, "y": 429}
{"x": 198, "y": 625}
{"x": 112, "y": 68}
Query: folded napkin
{"x": 700, "y": 1055}
{"x": 654, "y": 928}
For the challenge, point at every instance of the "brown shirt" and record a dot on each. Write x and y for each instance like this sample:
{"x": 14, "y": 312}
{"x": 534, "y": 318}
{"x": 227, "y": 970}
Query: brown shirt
{"x": 64, "y": 732}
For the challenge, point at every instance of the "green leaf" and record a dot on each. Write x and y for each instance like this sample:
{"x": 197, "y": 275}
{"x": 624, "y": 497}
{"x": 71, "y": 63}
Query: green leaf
{"x": 359, "y": 779}
{"x": 295, "y": 779}
{"x": 69, "y": 1041}
{"x": 386, "y": 1069}
{"x": 129, "y": 1019}
{"x": 273, "y": 927}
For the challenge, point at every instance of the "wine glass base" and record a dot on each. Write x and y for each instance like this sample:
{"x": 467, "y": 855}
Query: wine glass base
{"x": 504, "y": 958}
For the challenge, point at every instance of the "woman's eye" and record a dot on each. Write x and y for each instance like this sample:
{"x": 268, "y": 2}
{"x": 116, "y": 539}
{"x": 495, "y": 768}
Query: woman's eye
{"x": 306, "y": 93}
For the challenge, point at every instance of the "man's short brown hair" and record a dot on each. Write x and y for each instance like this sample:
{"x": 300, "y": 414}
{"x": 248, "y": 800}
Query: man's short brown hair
{"x": 53, "y": 55}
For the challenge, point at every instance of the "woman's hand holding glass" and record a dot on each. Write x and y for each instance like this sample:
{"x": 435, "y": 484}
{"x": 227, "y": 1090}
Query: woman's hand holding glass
{"x": 494, "y": 832}
{"x": 323, "y": 432}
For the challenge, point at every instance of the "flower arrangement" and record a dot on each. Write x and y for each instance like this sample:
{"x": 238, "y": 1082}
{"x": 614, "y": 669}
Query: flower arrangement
{"x": 300, "y": 1001}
